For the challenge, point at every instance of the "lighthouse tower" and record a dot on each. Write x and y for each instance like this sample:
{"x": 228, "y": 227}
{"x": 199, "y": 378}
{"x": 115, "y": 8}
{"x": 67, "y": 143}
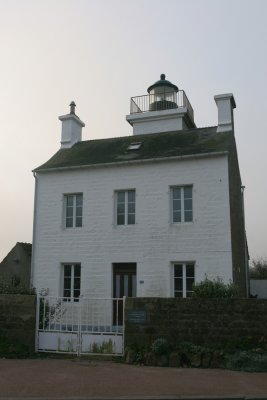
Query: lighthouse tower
{"x": 164, "y": 109}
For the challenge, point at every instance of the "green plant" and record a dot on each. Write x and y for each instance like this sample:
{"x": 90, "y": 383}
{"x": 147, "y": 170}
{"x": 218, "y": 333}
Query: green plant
{"x": 160, "y": 347}
{"x": 7, "y": 287}
{"x": 247, "y": 360}
{"x": 102, "y": 348}
{"x": 258, "y": 269}
{"x": 214, "y": 289}
{"x": 10, "y": 349}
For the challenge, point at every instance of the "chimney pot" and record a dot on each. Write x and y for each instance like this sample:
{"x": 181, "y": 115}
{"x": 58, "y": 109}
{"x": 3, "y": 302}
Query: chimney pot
{"x": 72, "y": 107}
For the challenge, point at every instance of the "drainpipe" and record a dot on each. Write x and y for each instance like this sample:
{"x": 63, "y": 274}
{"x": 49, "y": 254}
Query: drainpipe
{"x": 245, "y": 244}
{"x": 34, "y": 228}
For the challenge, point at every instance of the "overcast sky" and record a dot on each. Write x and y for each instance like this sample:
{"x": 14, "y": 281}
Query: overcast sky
{"x": 100, "y": 53}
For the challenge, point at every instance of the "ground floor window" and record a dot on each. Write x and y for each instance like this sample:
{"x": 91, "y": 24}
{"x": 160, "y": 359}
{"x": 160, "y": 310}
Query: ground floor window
{"x": 71, "y": 281}
{"x": 184, "y": 277}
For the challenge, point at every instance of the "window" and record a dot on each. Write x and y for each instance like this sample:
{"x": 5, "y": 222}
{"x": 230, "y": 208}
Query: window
{"x": 134, "y": 146}
{"x": 184, "y": 277}
{"x": 125, "y": 207}
{"x": 182, "y": 203}
{"x": 71, "y": 281}
{"x": 73, "y": 210}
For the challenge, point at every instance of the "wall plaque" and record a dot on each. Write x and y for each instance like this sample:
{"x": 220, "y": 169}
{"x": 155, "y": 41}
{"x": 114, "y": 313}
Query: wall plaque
{"x": 136, "y": 316}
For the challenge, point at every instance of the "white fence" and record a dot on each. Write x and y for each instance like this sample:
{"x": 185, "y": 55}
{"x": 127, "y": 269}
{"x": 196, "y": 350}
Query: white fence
{"x": 81, "y": 326}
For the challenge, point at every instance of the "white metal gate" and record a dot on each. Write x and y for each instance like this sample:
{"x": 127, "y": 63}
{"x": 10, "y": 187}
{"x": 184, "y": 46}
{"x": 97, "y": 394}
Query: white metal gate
{"x": 84, "y": 326}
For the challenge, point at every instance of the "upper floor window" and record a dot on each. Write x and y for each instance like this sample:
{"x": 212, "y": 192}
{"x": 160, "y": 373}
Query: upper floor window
{"x": 182, "y": 203}
{"x": 71, "y": 281}
{"x": 73, "y": 210}
{"x": 125, "y": 207}
{"x": 184, "y": 278}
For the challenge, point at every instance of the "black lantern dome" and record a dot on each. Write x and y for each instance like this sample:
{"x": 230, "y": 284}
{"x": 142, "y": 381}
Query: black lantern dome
{"x": 162, "y": 95}
{"x": 163, "y": 82}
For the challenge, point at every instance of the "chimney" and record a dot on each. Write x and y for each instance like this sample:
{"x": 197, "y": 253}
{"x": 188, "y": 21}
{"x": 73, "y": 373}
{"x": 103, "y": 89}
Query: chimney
{"x": 71, "y": 132}
{"x": 226, "y": 105}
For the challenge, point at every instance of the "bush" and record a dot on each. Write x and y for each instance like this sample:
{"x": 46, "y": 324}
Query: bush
{"x": 250, "y": 361}
{"x": 160, "y": 347}
{"x": 10, "y": 349}
{"x": 258, "y": 269}
{"x": 214, "y": 289}
{"x": 6, "y": 287}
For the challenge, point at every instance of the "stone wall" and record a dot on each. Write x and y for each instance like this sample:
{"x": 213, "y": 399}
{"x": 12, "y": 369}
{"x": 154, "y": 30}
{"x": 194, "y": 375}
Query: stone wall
{"x": 198, "y": 321}
{"x": 17, "y": 318}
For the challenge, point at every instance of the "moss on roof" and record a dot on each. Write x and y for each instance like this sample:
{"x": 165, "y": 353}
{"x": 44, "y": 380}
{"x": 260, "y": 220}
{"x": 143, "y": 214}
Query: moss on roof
{"x": 157, "y": 145}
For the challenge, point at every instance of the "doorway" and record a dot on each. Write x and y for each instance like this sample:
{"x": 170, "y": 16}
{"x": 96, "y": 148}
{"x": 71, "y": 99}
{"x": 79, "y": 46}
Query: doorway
{"x": 124, "y": 284}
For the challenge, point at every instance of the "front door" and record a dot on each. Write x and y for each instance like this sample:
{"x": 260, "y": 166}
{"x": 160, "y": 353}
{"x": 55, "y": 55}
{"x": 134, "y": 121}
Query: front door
{"x": 124, "y": 284}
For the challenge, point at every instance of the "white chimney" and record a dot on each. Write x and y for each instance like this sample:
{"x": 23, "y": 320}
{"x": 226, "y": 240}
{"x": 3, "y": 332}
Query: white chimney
{"x": 71, "y": 132}
{"x": 226, "y": 105}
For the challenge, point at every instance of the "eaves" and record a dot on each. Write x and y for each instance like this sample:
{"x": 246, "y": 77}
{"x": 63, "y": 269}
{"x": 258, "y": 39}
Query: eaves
{"x": 135, "y": 162}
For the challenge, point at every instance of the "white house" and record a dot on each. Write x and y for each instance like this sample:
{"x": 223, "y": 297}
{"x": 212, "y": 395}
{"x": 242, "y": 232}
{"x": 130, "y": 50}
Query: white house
{"x": 144, "y": 215}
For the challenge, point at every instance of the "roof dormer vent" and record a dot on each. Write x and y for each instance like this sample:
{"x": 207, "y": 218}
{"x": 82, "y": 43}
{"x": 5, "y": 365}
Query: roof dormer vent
{"x": 134, "y": 146}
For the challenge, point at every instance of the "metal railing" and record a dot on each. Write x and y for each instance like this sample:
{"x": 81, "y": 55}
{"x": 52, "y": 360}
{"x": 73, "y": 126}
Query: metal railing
{"x": 87, "y": 314}
{"x": 158, "y": 102}
{"x": 86, "y": 326}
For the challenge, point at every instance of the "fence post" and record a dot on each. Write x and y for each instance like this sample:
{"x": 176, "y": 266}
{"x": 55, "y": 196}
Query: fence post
{"x": 37, "y": 313}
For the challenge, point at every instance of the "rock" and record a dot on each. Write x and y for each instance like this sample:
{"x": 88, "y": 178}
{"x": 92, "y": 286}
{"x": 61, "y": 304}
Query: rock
{"x": 206, "y": 360}
{"x": 174, "y": 360}
{"x": 150, "y": 359}
{"x": 130, "y": 357}
{"x": 195, "y": 360}
{"x": 216, "y": 360}
{"x": 162, "y": 361}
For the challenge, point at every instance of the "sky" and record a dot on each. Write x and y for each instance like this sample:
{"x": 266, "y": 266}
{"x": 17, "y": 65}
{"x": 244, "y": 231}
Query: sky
{"x": 101, "y": 53}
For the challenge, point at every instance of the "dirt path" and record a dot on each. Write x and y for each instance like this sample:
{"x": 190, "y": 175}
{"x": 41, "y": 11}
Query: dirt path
{"x": 78, "y": 378}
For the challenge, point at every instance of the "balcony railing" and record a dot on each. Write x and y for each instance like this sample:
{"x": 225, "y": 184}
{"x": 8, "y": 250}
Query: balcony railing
{"x": 156, "y": 102}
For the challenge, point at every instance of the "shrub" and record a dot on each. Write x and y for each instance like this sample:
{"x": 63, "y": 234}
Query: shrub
{"x": 160, "y": 347}
{"x": 214, "y": 289}
{"x": 11, "y": 349}
{"x": 258, "y": 269}
{"x": 250, "y": 361}
{"x": 6, "y": 287}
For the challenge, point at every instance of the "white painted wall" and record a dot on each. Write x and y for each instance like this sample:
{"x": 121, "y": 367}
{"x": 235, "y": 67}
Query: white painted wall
{"x": 153, "y": 243}
{"x": 259, "y": 287}
{"x": 158, "y": 121}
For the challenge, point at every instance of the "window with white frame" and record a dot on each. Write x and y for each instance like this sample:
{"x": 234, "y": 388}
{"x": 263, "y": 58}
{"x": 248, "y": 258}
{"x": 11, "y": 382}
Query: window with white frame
{"x": 125, "y": 207}
{"x": 73, "y": 210}
{"x": 71, "y": 281}
{"x": 184, "y": 278}
{"x": 182, "y": 203}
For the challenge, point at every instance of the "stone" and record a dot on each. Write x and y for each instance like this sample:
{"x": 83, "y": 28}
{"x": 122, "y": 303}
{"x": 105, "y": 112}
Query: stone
{"x": 174, "y": 360}
{"x": 206, "y": 360}
{"x": 130, "y": 357}
{"x": 162, "y": 361}
{"x": 195, "y": 360}
{"x": 150, "y": 359}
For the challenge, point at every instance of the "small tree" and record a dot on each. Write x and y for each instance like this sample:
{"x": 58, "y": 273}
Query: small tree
{"x": 214, "y": 289}
{"x": 258, "y": 270}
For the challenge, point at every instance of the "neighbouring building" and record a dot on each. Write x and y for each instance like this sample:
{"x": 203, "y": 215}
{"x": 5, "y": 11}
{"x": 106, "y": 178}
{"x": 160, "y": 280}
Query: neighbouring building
{"x": 143, "y": 215}
{"x": 16, "y": 266}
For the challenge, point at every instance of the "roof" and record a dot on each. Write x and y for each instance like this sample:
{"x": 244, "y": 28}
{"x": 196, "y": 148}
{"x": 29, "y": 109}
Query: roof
{"x": 27, "y": 247}
{"x": 153, "y": 146}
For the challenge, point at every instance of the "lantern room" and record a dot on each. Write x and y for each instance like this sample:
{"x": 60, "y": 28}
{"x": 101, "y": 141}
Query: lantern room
{"x": 162, "y": 95}
{"x": 164, "y": 109}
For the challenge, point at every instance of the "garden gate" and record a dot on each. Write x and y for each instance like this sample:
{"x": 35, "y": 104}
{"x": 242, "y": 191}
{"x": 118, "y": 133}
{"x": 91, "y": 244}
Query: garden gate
{"x": 80, "y": 326}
